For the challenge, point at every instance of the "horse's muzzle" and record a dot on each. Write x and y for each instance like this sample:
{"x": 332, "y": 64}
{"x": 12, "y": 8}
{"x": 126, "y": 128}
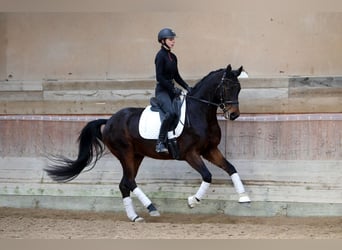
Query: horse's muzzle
{"x": 234, "y": 116}
{"x": 232, "y": 112}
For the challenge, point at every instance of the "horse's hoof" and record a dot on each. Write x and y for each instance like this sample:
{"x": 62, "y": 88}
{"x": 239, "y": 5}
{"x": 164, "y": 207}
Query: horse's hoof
{"x": 192, "y": 201}
{"x": 154, "y": 213}
{"x": 138, "y": 219}
{"x": 244, "y": 198}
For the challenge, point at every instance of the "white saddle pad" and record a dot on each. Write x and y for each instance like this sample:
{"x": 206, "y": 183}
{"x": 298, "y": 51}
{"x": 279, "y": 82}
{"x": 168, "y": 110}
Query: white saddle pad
{"x": 149, "y": 124}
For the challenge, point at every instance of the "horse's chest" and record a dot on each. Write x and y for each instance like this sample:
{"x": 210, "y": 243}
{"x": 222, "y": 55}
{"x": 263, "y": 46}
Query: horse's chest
{"x": 214, "y": 134}
{"x": 211, "y": 134}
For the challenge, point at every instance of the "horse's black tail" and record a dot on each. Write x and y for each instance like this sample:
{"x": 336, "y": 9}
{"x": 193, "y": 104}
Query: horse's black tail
{"x": 90, "y": 151}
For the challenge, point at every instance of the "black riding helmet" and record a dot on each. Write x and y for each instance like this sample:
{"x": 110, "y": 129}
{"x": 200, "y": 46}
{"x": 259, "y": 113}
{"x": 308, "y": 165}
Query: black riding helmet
{"x": 165, "y": 33}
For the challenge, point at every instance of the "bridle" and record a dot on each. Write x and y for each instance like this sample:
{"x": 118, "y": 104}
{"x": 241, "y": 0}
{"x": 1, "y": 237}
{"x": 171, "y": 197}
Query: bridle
{"x": 223, "y": 103}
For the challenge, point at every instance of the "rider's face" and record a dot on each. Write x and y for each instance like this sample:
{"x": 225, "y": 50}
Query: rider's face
{"x": 170, "y": 42}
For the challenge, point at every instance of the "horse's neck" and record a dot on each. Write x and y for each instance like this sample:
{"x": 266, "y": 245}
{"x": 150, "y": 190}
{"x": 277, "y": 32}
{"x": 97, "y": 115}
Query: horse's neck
{"x": 208, "y": 86}
{"x": 207, "y": 93}
{"x": 203, "y": 108}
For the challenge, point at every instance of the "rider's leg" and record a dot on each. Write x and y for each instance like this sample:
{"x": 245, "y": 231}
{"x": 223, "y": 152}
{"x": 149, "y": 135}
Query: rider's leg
{"x": 161, "y": 143}
{"x": 166, "y": 105}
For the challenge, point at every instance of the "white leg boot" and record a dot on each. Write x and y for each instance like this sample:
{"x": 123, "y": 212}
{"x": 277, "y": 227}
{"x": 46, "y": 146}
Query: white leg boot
{"x": 239, "y": 188}
{"x": 196, "y": 199}
{"x": 146, "y": 202}
{"x": 130, "y": 211}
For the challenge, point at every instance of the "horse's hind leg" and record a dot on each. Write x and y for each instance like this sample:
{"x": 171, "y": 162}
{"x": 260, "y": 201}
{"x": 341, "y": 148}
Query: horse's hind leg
{"x": 128, "y": 185}
{"x": 216, "y": 157}
{"x": 127, "y": 201}
{"x": 197, "y": 163}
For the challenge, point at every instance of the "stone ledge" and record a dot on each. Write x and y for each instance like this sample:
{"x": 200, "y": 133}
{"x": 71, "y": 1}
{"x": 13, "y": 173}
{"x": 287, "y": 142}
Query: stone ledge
{"x": 258, "y": 95}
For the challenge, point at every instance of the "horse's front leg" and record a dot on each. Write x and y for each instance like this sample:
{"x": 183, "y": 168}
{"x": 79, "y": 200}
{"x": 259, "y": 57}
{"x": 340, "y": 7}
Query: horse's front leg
{"x": 216, "y": 157}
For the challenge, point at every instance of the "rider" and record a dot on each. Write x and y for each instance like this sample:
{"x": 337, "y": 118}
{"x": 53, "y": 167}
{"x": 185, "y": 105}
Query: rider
{"x": 166, "y": 74}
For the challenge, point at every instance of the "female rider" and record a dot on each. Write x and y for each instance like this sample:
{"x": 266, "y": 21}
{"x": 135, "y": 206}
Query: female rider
{"x": 166, "y": 74}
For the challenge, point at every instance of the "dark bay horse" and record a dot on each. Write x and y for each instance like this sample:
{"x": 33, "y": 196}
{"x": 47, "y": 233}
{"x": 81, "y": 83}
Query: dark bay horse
{"x": 200, "y": 138}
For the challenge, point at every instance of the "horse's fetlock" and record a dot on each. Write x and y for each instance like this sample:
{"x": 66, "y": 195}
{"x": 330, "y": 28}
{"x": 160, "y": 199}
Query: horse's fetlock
{"x": 193, "y": 201}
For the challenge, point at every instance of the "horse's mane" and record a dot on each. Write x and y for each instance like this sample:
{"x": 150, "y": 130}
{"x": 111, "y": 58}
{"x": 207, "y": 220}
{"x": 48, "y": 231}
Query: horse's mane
{"x": 204, "y": 79}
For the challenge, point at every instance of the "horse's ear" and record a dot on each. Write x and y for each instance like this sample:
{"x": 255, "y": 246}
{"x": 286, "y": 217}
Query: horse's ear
{"x": 229, "y": 68}
{"x": 240, "y": 70}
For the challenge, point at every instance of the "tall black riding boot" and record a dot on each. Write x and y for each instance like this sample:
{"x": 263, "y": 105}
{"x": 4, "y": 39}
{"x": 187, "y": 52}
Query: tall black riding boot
{"x": 161, "y": 143}
{"x": 174, "y": 149}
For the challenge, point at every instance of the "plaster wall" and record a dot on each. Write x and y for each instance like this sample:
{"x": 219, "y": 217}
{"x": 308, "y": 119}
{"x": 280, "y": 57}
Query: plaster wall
{"x": 36, "y": 46}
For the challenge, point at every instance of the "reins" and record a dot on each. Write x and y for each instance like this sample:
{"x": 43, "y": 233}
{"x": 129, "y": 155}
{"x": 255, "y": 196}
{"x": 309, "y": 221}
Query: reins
{"x": 203, "y": 101}
{"x": 220, "y": 105}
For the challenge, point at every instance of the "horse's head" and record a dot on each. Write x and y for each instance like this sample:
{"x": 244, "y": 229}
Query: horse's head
{"x": 228, "y": 91}
{"x": 220, "y": 88}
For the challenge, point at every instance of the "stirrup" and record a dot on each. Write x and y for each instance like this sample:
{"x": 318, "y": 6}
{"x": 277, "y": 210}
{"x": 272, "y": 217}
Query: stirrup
{"x": 160, "y": 148}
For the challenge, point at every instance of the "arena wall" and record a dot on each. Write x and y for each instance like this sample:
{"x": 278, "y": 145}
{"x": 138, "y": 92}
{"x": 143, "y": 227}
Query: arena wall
{"x": 290, "y": 166}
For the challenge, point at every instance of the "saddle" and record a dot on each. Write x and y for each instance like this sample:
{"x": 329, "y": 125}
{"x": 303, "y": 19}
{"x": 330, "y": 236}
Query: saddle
{"x": 152, "y": 117}
{"x": 176, "y": 107}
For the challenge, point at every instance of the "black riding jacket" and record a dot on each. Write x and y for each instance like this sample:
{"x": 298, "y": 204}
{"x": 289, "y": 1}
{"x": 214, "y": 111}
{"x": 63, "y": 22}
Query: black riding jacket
{"x": 167, "y": 71}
